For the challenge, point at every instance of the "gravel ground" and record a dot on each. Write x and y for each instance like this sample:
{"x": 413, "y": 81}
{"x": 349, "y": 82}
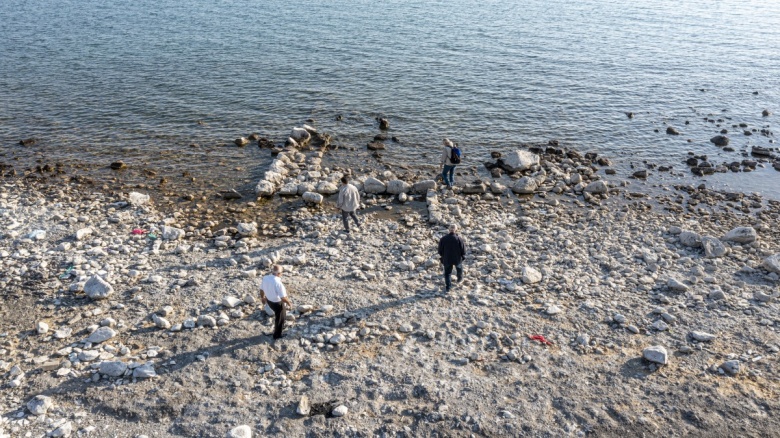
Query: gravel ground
{"x": 170, "y": 341}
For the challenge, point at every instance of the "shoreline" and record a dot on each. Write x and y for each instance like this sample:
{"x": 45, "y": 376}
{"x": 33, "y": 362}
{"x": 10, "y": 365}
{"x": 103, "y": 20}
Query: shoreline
{"x": 602, "y": 278}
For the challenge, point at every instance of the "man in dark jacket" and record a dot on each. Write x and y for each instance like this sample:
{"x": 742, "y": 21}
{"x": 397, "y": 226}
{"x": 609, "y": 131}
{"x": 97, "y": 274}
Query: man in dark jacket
{"x": 452, "y": 250}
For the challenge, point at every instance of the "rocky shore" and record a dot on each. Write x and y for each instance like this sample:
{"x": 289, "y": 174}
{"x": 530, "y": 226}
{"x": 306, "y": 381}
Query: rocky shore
{"x": 588, "y": 308}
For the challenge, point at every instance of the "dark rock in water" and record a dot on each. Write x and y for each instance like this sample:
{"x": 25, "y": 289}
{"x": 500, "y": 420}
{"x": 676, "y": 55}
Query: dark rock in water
{"x": 758, "y": 150}
{"x": 610, "y": 171}
{"x": 750, "y": 163}
{"x": 776, "y": 165}
{"x": 630, "y": 115}
{"x": 664, "y": 168}
{"x": 395, "y": 139}
{"x": 603, "y": 161}
{"x": 254, "y": 137}
{"x": 27, "y": 142}
{"x": 375, "y": 146}
{"x": 241, "y": 141}
{"x": 554, "y": 151}
{"x": 339, "y": 117}
{"x": 495, "y": 154}
{"x": 692, "y": 162}
{"x": 720, "y": 140}
{"x": 380, "y": 137}
{"x": 641, "y": 174}
{"x": 263, "y": 142}
{"x": 724, "y": 131}
{"x": 384, "y": 124}
{"x": 320, "y": 140}
{"x": 655, "y": 130}
{"x": 766, "y": 113}
{"x": 728, "y": 149}
{"x": 748, "y": 132}
{"x": 574, "y": 155}
{"x": 591, "y": 156}
{"x": 230, "y": 194}
{"x": 496, "y": 172}
{"x": 671, "y": 130}
{"x": 700, "y": 171}
{"x": 687, "y": 122}
{"x": 743, "y": 125}
{"x": 705, "y": 164}
{"x": 188, "y": 197}
{"x": 276, "y": 151}
{"x": 552, "y": 143}
{"x": 116, "y": 165}
{"x": 734, "y": 167}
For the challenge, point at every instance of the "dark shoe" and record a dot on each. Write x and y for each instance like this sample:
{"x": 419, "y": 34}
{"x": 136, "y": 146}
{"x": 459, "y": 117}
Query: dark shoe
{"x": 280, "y": 337}
{"x": 459, "y": 280}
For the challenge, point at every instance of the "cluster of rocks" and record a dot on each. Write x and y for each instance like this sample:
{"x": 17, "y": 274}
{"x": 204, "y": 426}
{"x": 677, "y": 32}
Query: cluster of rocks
{"x": 155, "y": 313}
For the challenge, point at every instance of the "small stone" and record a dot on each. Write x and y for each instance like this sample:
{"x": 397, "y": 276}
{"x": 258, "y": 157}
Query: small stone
{"x": 63, "y": 431}
{"x": 145, "y": 371}
{"x": 97, "y": 288}
{"x": 406, "y": 328}
{"x": 340, "y": 411}
{"x": 676, "y": 285}
{"x": 83, "y": 233}
{"x": 42, "y": 328}
{"x": 242, "y": 431}
{"x": 741, "y": 235}
{"x": 231, "y": 302}
{"x": 553, "y": 310}
{"x": 618, "y": 318}
{"x": 531, "y": 275}
{"x": 206, "y": 321}
{"x": 732, "y": 367}
{"x": 304, "y": 408}
{"x": 660, "y": 326}
{"x": 656, "y": 354}
{"x": 102, "y": 334}
{"x": 113, "y": 368}
{"x": 702, "y": 336}
{"x": 161, "y": 322}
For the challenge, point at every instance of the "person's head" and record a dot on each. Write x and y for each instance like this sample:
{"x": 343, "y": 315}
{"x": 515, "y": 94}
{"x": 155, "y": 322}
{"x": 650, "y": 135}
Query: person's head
{"x": 453, "y": 228}
{"x": 277, "y": 270}
{"x": 345, "y": 179}
{"x": 447, "y": 142}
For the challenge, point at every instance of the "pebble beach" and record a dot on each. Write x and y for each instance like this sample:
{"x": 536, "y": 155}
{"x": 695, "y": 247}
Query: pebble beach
{"x": 589, "y": 307}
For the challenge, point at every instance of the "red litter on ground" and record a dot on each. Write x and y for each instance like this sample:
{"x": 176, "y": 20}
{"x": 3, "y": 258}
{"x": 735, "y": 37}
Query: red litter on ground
{"x": 540, "y": 338}
{"x": 137, "y": 231}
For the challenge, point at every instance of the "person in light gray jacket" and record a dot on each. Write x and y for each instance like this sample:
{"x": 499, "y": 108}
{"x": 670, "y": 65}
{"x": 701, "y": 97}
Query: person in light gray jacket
{"x": 349, "y": 201}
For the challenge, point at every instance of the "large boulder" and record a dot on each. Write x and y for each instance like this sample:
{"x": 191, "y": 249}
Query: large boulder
{"x": 772, "y": 263}
{"x": 300, "y": 135}
{"x": 97, "y": 288}
{"x": 421, "y": 187}
{"x": 374, "y": 186}
{"x": 265, "y": 188}
{"x": 713, "y": 248}
{"x": 397, "y": 186}
{"x": 720, "y": 140}
{"x": 690, "y": 239}
{"x": 313, "y": 198}
{"x": 741, "y": 235}
{"x": 112, "y": 368}
{"x": 525, "y": 185}
{"x": 172, "y": 233}
{"x": 327, "y": 188}
{"x": 599, "y": 186}
{"x": 516, "y": 161}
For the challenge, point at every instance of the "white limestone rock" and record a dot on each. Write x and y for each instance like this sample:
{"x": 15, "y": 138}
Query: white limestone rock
{"x": 397, "y": 186}
{"x": 172, "y": 233}
{"x": 525, "y": 185}
{"x": 247, "y": 228}
{"x": 597, "y": 187}
{"x": 518, "y": 160}
{"x": 531, "y": 275}
{"x": 102, "y": 334}
{"x": 83, "y": 233}
{"x": 145, "y": 371}
{"x": 374, "y": 186}
{"x": 242, "y": 431}
{"x": 713, "y": 247}
{"x": 112, "y": 368}
{"x": 741, "y": 235}
{"x": 340, "y": 411}
{"x": 702, "y": 336}
{"x": 772, "y": 263}
{"x": 327, "y": 188}
{"x": 656, "y": 354}
{"x": 313, "y": 198}
{"x": 690, "y": 239}
{"x": 39, "y": 405}
{"x": 265, "y": 188}
{"x": 676, "y": 285}
{"x": 422, "y": 187}
{"x": 231, "y": 302}
{"x": 97, "y": 288}
{"x": 300, "y": 135}
{"x": 137, "y": 199}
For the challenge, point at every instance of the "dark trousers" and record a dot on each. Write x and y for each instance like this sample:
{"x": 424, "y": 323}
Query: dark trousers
{"x": 448, "y": 274}
{"x": 345, "y": 215}
{"x": 448, "y": 175}
{"x": 279, "y": 313}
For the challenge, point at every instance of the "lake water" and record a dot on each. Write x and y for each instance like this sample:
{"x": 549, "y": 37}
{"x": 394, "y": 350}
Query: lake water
{"x": 100, "y": 81}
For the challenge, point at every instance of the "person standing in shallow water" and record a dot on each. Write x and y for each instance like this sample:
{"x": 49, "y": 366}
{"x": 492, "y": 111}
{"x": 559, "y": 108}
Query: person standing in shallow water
{"x": 349, "y": 201}
{"x": 452, "y": 250}
{"x": 273, "y": 293}
{"x": 448, "y": 167}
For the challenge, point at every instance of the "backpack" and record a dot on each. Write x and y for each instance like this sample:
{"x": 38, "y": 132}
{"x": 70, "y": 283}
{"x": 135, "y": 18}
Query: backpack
{"x": 454, "y": 155}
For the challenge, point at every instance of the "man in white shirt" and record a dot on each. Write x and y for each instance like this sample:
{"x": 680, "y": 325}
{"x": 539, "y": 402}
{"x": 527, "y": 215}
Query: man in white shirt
{"x": 273, "y": 293}
{"x": 349, "y": 201}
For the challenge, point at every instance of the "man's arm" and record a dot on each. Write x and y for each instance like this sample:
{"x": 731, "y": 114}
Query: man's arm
{"x": 440, "y": 247}
{"x": 444, "y": 156}
{"x": 263, "y": 299}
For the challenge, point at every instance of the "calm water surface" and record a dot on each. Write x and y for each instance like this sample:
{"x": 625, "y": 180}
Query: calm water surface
{"x": 100, "y": 81}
